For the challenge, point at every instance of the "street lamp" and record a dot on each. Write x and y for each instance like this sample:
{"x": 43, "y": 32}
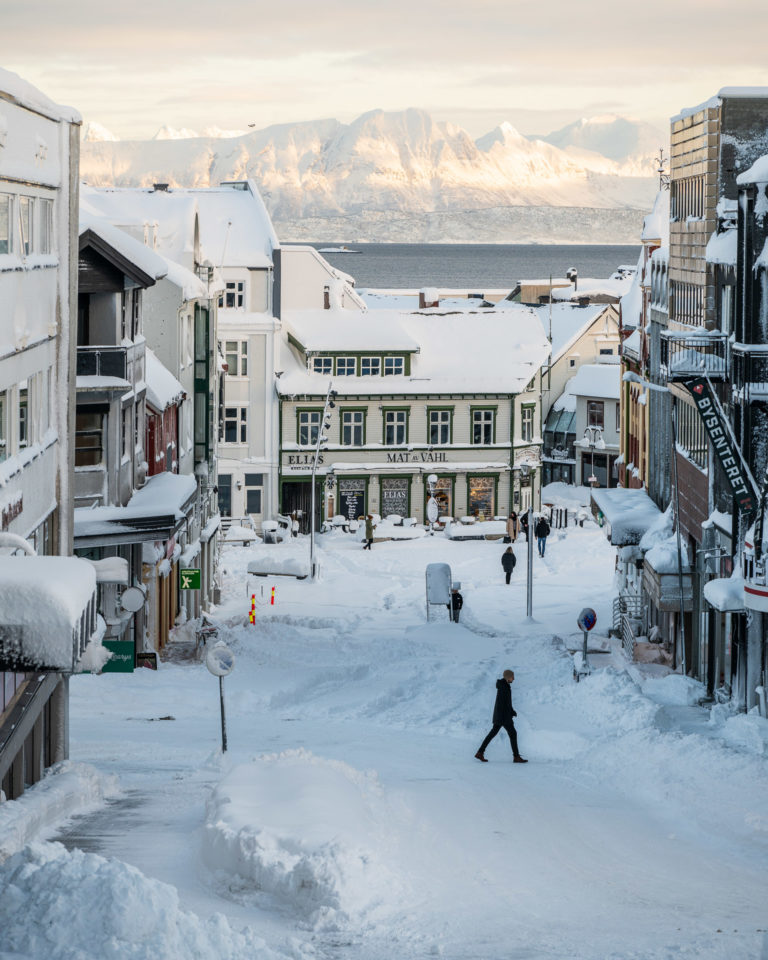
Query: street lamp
{"x": 322, "y": 439}
{"x": 432, "y": 508}
{"x": 525, "y": 471}
{"x": 593, "y": 437}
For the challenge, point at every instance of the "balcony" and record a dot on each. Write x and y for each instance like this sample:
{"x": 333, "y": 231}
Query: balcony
{"x": 750, "y": 371}
{"x": 102, "y": 362}
{"x": 688, "y": 355}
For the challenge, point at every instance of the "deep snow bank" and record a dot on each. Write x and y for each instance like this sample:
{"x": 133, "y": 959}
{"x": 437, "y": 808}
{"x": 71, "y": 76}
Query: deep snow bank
{"x": 79, "y": 906}
{"x": 303, "y": 828}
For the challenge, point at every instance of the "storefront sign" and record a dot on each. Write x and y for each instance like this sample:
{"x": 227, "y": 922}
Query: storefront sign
{"x": 351, "y": 498}
{"x": 302, "y": 459}
{"x": 189, "y": 579}
{"x": 394, "y": 496}
{"x": 424, "y": 457}
{"x": 722, "y": 443}
{"x": 123, "y": 656}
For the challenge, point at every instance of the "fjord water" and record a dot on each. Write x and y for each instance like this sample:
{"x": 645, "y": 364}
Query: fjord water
{"x": 480, "y": 266}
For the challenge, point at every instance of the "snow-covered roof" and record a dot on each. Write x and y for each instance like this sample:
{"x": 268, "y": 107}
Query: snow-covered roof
{"x": 656, "y": 224}
{"x": 706, "y": 105}
{"x": 13, "y": 87}
{"x": 725, "y": 593}
{"x": 191, "y": 286}
{"x": 163, "y": 389}
{"x": 338, "y": 330}
{"x": 632, "y": 301}
{"x": 757, "y": 173}
{"x": 569, "y": 322}
{"x": 614, "y": 287}
{"x": 516, "y": 349}
{"x": 597, "y": 380}
{"x": 131, "y": 250}
{"x": 722, "y": 247}
{"x": 629, "y": 513}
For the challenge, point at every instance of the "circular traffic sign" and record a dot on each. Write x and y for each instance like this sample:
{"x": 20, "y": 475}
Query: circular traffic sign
{"x": 220, "y": 660}
{"x": 132, "y": 599}
{"x": 587, "y": 619}
{"x": 433, "y": 511}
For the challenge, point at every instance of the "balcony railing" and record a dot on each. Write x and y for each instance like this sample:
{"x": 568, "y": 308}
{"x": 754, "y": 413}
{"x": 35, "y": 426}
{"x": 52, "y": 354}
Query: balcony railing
{"x": 750, "y": 370}
{"x": 688, "y": 355}
{"x": 102, "y": 362}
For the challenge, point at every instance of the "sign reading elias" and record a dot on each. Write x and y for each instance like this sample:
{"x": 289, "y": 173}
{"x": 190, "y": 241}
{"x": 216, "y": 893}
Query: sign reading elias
{"x": 303, "y": 459}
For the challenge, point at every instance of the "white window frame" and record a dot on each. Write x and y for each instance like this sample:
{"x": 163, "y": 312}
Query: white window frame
{"x": 484, "y": 418}
{"x": 234, "y": 290}
{"x": 6, "y": 200}
{"x": 45, "y": 225}
{"x": 323, "y": 365}
{"x": 239, "y": 350}
{"x": 441, "y": 419}
{"x": 374, "y": 366}
{"x": 237, "y": 415}
{"x": 26, "y": 207}
{"x": 308, "y": 420}
{"x": 397, "y": 421}
{"x": 526, "y": 423}
{"x": 352, "y": 421}
{"x": 346, "y": 361}
{"x": 392, "y": 362}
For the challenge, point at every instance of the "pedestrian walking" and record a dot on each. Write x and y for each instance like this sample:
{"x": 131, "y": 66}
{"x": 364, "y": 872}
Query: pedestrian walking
{"x": 513, "y": 528}
{"x": 503, "y": 716}
{"x": 542, "y": 531}
{"x": 524, "y": 524}
{"x": 508, "y": 561}
{"x": 457, "y": 602}
{"x": 369, "y": 527}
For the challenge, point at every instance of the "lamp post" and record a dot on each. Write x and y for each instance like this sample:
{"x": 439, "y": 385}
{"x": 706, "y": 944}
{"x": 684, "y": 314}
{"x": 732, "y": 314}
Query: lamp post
{"x": 593, "y": 437}
{"x": 322, "y": 439}
{"x": 432, "y": 509}
{"x": 525, "y": 471}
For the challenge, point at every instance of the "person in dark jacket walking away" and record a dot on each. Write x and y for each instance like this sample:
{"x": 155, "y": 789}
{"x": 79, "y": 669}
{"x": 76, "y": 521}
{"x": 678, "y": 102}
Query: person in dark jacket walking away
{"x": 524, "y": 524}
{"x": 508, "y": 561}
{"x": 503, "y": 716}
{"x": 368, "y": 532}
{"x": 457, "y": 602}
{"x": 542, "y": 532}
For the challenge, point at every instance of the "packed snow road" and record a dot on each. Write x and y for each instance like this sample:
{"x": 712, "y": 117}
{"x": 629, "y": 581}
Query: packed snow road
{"x": 349, "y": 817}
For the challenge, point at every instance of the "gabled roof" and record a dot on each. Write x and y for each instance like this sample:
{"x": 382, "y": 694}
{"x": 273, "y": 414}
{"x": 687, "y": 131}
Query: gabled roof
{"x": 132, "y": 258}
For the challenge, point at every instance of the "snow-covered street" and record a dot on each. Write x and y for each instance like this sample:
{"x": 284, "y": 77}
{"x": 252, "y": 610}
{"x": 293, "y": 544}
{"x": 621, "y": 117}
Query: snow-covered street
{"x": 349, "y": 818}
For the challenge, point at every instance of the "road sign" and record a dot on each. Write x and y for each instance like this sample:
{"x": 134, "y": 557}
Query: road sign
{"x": 189, "y": 579}
{"x": 587, "y": 619}
{"x": 220, "y": 660}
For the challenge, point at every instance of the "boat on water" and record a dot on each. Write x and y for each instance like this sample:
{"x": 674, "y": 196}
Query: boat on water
{"x": 341, "y": 249}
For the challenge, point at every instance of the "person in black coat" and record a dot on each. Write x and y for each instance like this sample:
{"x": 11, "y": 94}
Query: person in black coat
{"x": 508, "y": 561}
{"x": 503, "y": 716}
{"x": 542, "y": 531}
{"x": 524, "y": 524}
{"x": 457, "y": 602}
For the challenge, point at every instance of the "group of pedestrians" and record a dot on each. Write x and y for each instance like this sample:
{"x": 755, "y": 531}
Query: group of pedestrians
{"x": 515, "y": 524}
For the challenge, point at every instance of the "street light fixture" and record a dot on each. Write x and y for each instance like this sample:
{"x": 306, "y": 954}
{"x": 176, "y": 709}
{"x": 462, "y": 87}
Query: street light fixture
{"x": 593, "y": 437}
{"x": 322, "y": 440}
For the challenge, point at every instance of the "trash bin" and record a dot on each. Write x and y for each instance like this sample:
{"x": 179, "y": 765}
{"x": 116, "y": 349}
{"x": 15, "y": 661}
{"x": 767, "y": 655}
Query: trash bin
{"x": 269, "y": 531}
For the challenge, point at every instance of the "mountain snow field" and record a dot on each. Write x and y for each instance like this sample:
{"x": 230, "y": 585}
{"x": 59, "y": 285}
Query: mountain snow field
{"x": 349, "y": 818}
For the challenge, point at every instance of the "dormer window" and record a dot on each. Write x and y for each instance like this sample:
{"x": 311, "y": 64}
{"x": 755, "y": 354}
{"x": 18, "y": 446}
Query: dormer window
{"x": 346, "y": 366}
{"x": 394, "y": 366}
{"x": 370, "y": 367}
{"x": 322, "y": 365}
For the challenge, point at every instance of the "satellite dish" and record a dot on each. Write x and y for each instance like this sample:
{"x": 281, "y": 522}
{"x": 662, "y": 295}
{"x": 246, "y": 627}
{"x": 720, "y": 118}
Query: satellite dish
{"x": 220, "y": 660}
{"x": 433, "y": 511}
{"x": 132, "y": 599}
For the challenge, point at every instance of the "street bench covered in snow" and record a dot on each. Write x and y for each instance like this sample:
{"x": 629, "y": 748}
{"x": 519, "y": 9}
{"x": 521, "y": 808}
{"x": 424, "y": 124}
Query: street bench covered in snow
{"x": 273, "y": 565}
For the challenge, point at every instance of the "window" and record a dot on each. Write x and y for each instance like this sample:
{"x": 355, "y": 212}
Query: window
{"x": 726, "y": 304}
{"x": 618, "y": 418}
{"x": 253, "y": 487}
{"x": 235, "y": 424}
{"x": 236, "y": 357}
{"x": 394, "y": 366}
{"x": 225, "y": 494}
{"x": 346, "y": 366}
{"x": 26, "y": 208}
{"x": 23, "y": 415}
{"x": 606, "y": 351}
{"x": 3, "y": 425}
{"x": 482, "y": 497}
{"x": 395, "y": 427}
{"x": 526, "y": 423}
{"x": 370, "y": 367}
{"x": 135, "y": 314}
{"x": 691, "y": 436}
{"x": 482, "y": 426}
{"x": 309, "y": 424}
{"x": 440, "y": 426}
{"x": 45, "y": 208}
{"x": 127, "y": 433}
{"x": 322, "y": 365}
{"x": 572, "y": 361}
{"x": 89, "y": 449}
{"x": 443, "y": 495}
{"x": 595, "y": 413}
{"x": 6, "y": 220}
{"x": 234, "y": 295}
{"x": 353, "y": 428}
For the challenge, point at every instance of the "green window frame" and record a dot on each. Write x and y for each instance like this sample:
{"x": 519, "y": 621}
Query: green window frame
{"x": 308, "y": 420}
{"x": 483, "y": 423}
{"x": 527, "y": 414}
{"x": 352, "y": 420}
{"x": 439, "y": 425}
{"x": 395, "y": 420}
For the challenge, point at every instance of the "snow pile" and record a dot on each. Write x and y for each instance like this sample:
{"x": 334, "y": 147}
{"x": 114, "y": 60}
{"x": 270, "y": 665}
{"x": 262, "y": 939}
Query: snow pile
{"x": 748, "y": 731}
{"x": 276, "y": 564}
{"x": 664, "y": 557}
{"x": 388, "y": 530}
{"x": 303, "y": 828}
{"x": 726, "y": 593}
{"x": 674, "y": 690}
{"x": 236, "y": 533}
{"x": 473, "y": 531}
{"x": 163, "y": 389}
{"x": 630, "y": 513}
{"x": 85, "y": 906}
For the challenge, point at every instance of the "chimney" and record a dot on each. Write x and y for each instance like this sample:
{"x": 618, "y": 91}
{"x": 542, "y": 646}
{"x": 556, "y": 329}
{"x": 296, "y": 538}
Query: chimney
{"x": 326, "y": 297}
{"x": 429, "y": 297}
{"x": 160, "y": 187}
{"x": 573, "y": 276}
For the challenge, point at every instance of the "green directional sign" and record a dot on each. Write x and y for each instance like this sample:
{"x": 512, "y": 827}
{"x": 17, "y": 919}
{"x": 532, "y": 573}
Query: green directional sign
{"x": 189, "y": 579}
{"x": 123, "y": 656}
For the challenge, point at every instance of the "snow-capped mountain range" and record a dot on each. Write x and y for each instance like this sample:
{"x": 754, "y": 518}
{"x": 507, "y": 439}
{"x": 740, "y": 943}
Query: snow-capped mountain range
{"x": 404, "y": 176}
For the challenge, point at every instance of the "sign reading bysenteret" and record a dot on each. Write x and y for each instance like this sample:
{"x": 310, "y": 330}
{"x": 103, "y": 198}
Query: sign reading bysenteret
{"x": 723, "y": 444}
{"x": 189, "y": 579}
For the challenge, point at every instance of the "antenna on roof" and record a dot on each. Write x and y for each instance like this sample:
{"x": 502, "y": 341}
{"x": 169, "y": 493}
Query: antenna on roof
{"x": 661, "y": 169}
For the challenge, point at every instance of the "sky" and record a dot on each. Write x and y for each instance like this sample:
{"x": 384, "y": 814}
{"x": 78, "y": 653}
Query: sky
{"x": 135, "y": 67}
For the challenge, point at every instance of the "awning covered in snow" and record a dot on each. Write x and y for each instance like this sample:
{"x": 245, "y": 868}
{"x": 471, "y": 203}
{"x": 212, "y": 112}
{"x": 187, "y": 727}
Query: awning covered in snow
{"x": 725, "y": 594}
{"x": 628, "y": 513}
{"x": 47, "y": 612}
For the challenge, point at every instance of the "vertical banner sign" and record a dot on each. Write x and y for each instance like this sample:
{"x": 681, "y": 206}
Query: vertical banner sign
{"x": 723, "y": 444}
{"x": 352, "y": 498}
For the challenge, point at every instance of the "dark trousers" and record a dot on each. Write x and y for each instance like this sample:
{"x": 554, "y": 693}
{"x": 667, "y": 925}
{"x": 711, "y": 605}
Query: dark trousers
{"x": 509, "y": 726}
{"x": 368, "y": 544}
{"x": 542, "y": 545}
{"x": 508, "y": 574}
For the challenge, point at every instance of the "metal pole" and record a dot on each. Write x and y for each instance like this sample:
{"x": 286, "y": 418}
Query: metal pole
{"x": 529, "y": 605}
{"x": 584, "y": 661}
{"x": 223, "y": 718}
{"x": 677, "y": 525}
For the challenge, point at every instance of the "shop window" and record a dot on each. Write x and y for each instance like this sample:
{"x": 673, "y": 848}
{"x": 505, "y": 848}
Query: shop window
{"x": 482, "y": 497}
{"x": 370, "y": 367}
{"x": 352, "y": 499}
{"x": 444, "y": 496}
{"x": 395, "y": 427}
{"x": 482, "y": 426}
{"x": 322, "y": 365}
{"x": 346, "y": 366}
{"x": 394, "y": 366}
{"x": 440, "y": 426}
{"x": 353, "y": 428}
{"x": 526, "y": 423}
{"x": 309, "y": 424}
{"x": 89, "y": 438}
{"x": 394, "y": 496}
{"x": 595, "y": 413}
